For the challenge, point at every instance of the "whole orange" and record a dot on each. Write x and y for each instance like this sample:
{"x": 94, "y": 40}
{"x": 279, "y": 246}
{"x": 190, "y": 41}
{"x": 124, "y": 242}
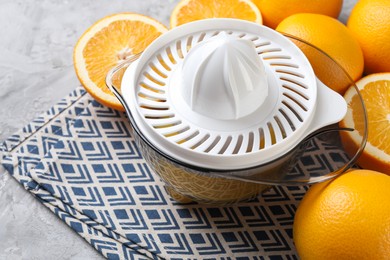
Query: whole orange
{"x": 345, "y": 218}
{"x": 333, "y": 38}
{"x": 370, "y": 23}
{"x": 274, "y": 12}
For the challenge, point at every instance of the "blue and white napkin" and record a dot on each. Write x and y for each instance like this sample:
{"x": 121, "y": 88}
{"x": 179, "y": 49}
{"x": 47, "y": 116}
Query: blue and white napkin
{"x": 81, "y": 161}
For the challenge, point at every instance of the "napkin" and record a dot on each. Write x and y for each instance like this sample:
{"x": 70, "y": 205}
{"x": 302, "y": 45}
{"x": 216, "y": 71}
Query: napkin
{"x": 82, "y": 162}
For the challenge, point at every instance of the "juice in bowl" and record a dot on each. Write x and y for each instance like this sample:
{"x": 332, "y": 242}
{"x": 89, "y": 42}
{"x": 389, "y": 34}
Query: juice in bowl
{"x": 223, "y": 108}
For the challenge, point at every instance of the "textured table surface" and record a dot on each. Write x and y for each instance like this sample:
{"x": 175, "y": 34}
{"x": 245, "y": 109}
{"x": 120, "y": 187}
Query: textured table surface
{"x": 36, "y": 70}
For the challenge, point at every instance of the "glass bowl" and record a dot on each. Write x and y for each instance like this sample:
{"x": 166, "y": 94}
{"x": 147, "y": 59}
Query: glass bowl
{"x": 318, "y": 157}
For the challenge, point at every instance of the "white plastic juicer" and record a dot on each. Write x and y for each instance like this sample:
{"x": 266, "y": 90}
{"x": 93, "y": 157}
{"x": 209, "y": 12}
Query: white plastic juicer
{"x": 219, "y": 108}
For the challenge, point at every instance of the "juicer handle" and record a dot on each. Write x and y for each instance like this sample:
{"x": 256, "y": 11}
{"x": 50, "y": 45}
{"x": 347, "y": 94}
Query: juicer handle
{"x": 331, "y": 108}
{"x": 112, "y": 73}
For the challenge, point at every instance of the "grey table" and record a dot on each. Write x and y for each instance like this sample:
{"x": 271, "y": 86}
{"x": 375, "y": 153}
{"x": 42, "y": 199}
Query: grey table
{"x": 36, "y": 70}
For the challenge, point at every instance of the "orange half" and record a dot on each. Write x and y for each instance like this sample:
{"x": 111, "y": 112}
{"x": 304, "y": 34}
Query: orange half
{"x": 108, "y": 42}
{"x": 375, "y": 92}
{"x": 192, "y": 10}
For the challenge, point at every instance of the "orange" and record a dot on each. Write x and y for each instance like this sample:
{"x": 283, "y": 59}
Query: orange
{"x": 192, "y": 10}
{"x": 345, "y": 218}
{"x": 370, "y": 23}
{"x": 375, "y": 92}
{"x": 274, "y": 12}
{"x": 333, "y": 38}
{"x": 105, "y": 44}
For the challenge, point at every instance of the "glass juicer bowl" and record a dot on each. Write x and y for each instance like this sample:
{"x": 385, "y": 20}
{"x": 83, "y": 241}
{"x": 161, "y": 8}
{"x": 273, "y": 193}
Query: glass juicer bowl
{"x": 318, "y": 156}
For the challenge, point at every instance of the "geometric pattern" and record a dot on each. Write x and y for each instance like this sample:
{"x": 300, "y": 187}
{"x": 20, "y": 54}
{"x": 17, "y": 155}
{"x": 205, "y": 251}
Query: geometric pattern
{"x": 81, "y": 161}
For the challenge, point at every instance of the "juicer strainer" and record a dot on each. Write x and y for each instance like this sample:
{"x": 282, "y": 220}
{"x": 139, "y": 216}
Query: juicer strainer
{"x": 226, "y": 99}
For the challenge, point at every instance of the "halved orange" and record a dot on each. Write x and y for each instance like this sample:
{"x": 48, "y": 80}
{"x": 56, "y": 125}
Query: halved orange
{"x": 375, "y": 92}
{"x": 108, "y": 42}
{"x": 192, "y": 10}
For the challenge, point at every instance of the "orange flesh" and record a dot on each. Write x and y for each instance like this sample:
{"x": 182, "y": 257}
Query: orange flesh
{"x": 117, "y": 38}
{"x": 377, "y": 101}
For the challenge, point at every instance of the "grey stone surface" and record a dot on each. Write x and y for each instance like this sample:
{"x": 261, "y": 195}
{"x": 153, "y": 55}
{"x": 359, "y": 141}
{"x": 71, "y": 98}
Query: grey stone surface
{"x": 36, "y": 70}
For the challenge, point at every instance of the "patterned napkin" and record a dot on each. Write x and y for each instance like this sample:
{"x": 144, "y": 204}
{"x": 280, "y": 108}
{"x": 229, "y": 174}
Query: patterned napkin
{"x": 81, "y": 161}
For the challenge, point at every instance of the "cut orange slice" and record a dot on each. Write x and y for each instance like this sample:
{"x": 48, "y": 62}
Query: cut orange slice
{"x": 375, "y": 92}
{"x": 108, "y": 42}
{"x": 192, "y": 10}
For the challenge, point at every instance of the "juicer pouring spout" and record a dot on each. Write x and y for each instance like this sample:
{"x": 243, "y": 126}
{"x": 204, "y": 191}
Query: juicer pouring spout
{"x": 115, "y": 74}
